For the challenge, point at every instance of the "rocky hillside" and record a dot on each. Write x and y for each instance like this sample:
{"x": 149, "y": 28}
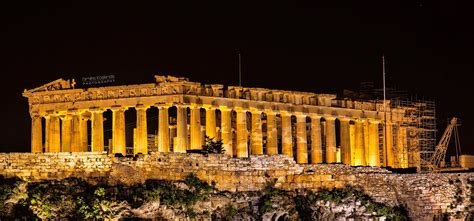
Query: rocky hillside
{"x": 190, "y": 199}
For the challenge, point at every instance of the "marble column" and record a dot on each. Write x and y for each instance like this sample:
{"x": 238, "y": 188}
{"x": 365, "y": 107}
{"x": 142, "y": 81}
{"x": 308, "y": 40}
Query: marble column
{"x": 402, "y": 147}
{"x": 374, "y": 155}
{"x": 359, "y": 156}
{"x": 66, "y": 132}
{"x": 36, "y": 133}
{"x": 84, "y": 133}
{"x": 345, "y": 141}
{"x": 97, "y": 143}
{"x": 316, "y": 149}
{"x": 272, "y": 133}
{"x": 257, "y": 138}
{"x": 163, "y": 129}
{"x": 331, "y": 152}
{"x": 181, "y": 130}
{"x": 301, "y": 139}
{"x": 76, "y": 132}
{"x": 388, "y": 139}
{"x": 242, "y": 134}
{"x": 55, "y": 143}
{"x": 366, "y": 141}
{"x": 211, "y": 122}
{"x": 196, "y": 138}
{"x": 226, "y": 128}
{"x": 47, "y": 134}
{"x": 286, "y": 134}
{"x": 141, "y": 131}
{"x": 118, "y": 130}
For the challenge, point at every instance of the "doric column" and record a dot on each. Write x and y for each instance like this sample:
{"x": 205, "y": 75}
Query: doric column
{"x": 316, "y": 149}
{"x": 84, "y": 133}
{"x": 256, "y": 139}
{"x": 242, "y": 149}
{"x": 359, "y": 156}
{"x": 301, "y": 139}
{"x": 196, "y": 138}
{"x": 286, "y": 134}
{"x": 97, "y": 143}
{"x": 272, "y": 133}
{"x": 226, "y": 128}
{"x": 331, "y": 155}
{"x": 181, "y": 127}
{"x": 388, "y": 144}
{"x": 211, "y": 122}
{"x": 163, "y": 129}
{"x": 345, "y": 141}
{"x": 47, "y": 133}
{"x": 141, "y": 131}
{"x": 374, "y": 158}
{"x": 118, "y": 130}
{"x": 402, "y": 147}
{"x": 66, "y": 132}
{"x": 352, "y": 136}
{"x": 76, "y": 132}
{"x": 55, "y": 143}
{"x": 36, "y": 133}
{"x": 366, "y": 142}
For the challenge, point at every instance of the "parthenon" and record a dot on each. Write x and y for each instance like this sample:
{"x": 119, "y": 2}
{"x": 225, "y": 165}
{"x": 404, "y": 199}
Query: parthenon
{"x": 310, "y": 127}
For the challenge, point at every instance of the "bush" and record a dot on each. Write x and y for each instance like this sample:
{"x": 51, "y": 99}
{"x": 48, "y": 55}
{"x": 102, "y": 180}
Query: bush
{"x": 212, "y": 146}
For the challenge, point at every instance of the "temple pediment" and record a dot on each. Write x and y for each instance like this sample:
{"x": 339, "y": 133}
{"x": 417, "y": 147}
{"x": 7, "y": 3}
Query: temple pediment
{"x": 59, "y": 84}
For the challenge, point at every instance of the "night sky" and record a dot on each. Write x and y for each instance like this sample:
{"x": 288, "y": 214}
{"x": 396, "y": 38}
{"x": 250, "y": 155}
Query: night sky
{"x": 322, "y": 48}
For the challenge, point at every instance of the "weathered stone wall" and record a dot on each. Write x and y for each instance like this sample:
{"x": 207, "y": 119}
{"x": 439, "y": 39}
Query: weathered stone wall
{"x": 424, "y": 195}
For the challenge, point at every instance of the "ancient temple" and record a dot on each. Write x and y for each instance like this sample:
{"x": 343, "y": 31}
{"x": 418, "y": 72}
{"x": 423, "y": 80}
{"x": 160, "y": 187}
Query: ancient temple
{"x": 311, "y": 127}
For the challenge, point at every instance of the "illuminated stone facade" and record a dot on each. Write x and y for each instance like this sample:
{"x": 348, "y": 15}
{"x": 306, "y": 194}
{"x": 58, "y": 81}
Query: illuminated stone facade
{"x": 311, "y": 128}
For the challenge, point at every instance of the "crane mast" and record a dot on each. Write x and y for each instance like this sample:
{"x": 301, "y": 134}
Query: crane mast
{"x": 440, "y": 152}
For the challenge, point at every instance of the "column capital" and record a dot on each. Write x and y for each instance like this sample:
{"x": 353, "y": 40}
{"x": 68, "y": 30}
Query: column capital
{"x": 300, "y": 115}
{"x": 209, "y": 107}
{"x": 329, "y": 117}
{"x": 163, "y": 105}
{"x": 35, "y": 114}
{"x": 344, "y": 118}
{"x": 141, "y": 107}
{"x": 240, "y": 109}
{"x": 118, "y": 108}
{"x": 286, "y": 113}
{"x": 255, "y": 110}
{"x": 270, "y": 112}
{"x": 315, "y": 116}
{"x": 360, "y": 120}
{"x": 374, "y": 121}
{"x": 225, "y": 108}
{"x": 75, "y": 111}
{"x": 65, "y": 117}
{"x": 97, "y": 110}
{"x": 195, "y": 106}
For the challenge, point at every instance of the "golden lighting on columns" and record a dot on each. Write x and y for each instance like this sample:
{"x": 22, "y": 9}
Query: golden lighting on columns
{"x": 257, "y": 138}
{"x": 76, "y": 131}
{"x": 331, "y": 152}
{"x": 66, "y": 132}
{"x": 286, "y": 134}
{"x": 55, "y": 143}
{"x": 316, "y": 148}
{"x": 195, "y": 130}
{"x": 47, "y": 131}
{"x": 226, "y": 128}
{"x": 359, "y": 156}
{"x": 388, "y": 144}
{"x": 181, "y": 130}
{"x": 345, "y": 140}
{"x": 272, "y": 133}
{"x": 118, "y": 130}
{"x": 141, "y": 131}
{"x": 97, "y": 143}
{"x": 242, "y": 149}
{"x": 211, "y": 122}
{"x": 374, "y": 157}
{"x": 36, "y": 133}
{"x": 163, "y": 129}
{"x": 84, "y": 134}
{"x": 301, "y": 139}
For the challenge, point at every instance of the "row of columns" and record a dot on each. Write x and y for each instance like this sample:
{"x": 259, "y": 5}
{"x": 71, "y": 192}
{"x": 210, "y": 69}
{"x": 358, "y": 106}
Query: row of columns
{"x": 359, "y": 146}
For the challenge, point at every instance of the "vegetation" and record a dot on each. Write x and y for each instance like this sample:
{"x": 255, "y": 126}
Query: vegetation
{"x": 77, "y": 199}
{"x": 212, "y": 146}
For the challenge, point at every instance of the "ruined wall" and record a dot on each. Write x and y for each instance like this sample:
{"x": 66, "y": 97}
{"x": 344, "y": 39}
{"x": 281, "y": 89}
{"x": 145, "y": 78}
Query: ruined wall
{"x": 423, "y": 194}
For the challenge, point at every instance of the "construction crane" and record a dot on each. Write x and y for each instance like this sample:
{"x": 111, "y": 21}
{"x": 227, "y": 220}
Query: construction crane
{"x": 435, "y": 163}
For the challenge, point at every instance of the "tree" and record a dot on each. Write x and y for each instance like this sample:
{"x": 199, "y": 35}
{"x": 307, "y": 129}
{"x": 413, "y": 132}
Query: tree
{"x": 212, "y": 146}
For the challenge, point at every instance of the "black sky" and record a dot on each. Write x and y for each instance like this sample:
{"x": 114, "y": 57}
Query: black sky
{"x": 320, "y": 48}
